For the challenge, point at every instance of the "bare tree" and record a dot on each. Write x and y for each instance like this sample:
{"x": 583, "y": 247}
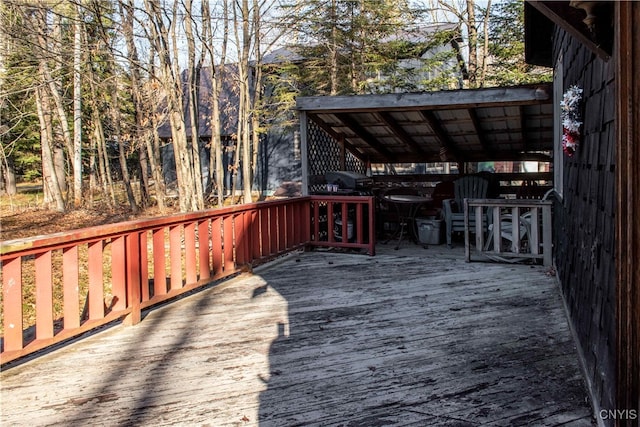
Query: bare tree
{"x": 170, "y": 81}
{"x": 51, "y": 183}
{"x": 465, "y": 12}
{"x": 44, "y": 100}
{"x": 216, "y": 170}
{"x": 473, "y": 43}
{"x": 485, "y": 46}
{"x": 98, "y": 141}
{"x": 193, "y": 99}
{"x": 77, "y": 107}
{"x": 144, "y": 113}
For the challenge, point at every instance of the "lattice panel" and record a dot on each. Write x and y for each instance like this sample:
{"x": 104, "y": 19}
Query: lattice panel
{"x": 324, "y": 154}
{"x": 324, "y": 151}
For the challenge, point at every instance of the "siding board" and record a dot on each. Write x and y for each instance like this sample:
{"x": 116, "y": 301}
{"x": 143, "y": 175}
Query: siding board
{"x": 584, "y": 220}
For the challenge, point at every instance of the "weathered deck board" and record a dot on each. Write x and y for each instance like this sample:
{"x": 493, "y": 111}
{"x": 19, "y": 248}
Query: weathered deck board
{"x": 408, "y": 337}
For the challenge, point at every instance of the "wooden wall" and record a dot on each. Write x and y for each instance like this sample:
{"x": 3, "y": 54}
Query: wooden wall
{"x": 584, "y": 220}
{"x": 627, "y": 16}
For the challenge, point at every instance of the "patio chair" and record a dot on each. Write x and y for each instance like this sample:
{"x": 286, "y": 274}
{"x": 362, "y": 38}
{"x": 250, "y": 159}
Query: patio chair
{"x": 467, "y": 187}
{"x": 442, "y": 191}
{"x": 525, "y": 221}
{"x": 506, "y": 234}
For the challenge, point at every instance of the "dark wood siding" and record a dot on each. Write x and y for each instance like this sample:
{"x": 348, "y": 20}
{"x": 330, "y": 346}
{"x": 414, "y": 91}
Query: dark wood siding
{"x": 584, "y": 220}
{"x": 627, "y": 16}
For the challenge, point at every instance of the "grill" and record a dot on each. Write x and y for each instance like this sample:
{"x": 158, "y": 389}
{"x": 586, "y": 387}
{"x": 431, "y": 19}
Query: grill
{"x": 347, "y": 180}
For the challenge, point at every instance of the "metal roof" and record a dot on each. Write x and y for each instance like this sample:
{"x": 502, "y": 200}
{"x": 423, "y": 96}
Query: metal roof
{"x": 465, "y": 125}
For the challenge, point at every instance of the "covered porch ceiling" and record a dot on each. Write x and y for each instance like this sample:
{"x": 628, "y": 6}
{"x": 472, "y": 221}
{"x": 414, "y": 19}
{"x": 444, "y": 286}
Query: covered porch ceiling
{"x": 466, "y": 125}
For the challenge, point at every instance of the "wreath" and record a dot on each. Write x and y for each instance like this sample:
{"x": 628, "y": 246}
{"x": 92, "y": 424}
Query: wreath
{"x": 571, "y": 120}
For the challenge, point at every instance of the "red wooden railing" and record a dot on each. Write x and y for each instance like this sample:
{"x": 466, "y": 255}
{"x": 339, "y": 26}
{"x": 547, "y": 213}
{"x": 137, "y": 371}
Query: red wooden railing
{"x": 79, "y": 280}
{"x": 328, "y": 228}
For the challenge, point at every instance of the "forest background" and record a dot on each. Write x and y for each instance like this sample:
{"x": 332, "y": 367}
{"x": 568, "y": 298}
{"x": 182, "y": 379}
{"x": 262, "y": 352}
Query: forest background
{"x": 86, "y": 85}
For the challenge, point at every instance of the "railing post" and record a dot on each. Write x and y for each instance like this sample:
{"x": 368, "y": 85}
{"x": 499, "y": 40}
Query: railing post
{"x": 546, "y": 235}
{"x": 132, "y": 257}
{"x": 372, "y": 226}
{"x": 467, "y": 244}
{"x": 123, "y": 259}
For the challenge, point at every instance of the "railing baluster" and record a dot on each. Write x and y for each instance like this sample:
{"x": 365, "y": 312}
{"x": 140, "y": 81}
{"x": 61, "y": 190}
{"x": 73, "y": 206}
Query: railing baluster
{"x": 497, "y": 232}
{"x": 265, "y": 232}
{"x": 240, "y": 238}
{"x": 143, "y": 243}
{"x": 330, "y": 222}
{"x": 546, "y": 235}
{"x": 203, "y": 249}
{"x": 216, "y": 246}
{"x": 256, "y": 238}
{"x": 227, "y": 238}
{"x": 515, "y": 229}
{"x": 273, "y": 229}
{"x": 316, "y": 221}
{"x": 535, "y": 231}
{"x": 96, "y": 281}
{"x": 190, "y": 253}
{"x": 71, "y": 301}
{"x": 479, "y": 218}
{"x": 159, "y": 262}
{"x": 359, "y": 223}
{"x": 44, "y": 296}
{"x": 119, "y": 273}
{"x": 175, "y": 255}
{"x": 132, "y": 245}
{"x": 282, "y": 229}
{"x": 291, "y": 225}
{"x": 12, "y": 299}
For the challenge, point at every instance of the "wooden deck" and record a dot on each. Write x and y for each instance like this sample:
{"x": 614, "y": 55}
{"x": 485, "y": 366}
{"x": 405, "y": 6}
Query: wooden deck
{"x": 408, "y": 337}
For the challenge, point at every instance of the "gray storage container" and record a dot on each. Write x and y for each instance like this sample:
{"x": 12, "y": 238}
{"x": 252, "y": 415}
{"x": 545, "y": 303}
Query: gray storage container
{"x": 430, "y": 231}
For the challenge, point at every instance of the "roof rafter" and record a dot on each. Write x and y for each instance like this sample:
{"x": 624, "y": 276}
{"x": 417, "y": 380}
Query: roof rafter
{"x": 399, "y": 132}
{"x": 523, "y": 126}
{"x": 466, "y": 125}
{"x": 364, "y": 134}
{"x": 441, "y": 134}
{"x": 473, "y": 114}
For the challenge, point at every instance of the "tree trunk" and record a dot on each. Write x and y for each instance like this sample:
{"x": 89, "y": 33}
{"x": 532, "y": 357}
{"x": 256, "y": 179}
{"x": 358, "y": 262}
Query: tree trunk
{"x": 77, "y": 110}
{"x": 473, "y": 43}
{"x": 244, "y": 117}
{"x": 104, "y": 167}
{"x": 54, "y": 85}
{"x": 3, "y": 185}
{"x": 193, "y": 82}
{"x": 333, "y": 50}
{"x": 258, "y": 95}
{"x": 126, "y": 180}
{"x": 8, "y": 178}
{"x": 485, "y": 48}
{"x": 173, "y": 91}
{"x": 93, "y": 169}
{"x": 142, "y": 112}
{"x": 51, "y": 187}
{"x": 153, "y": 148}
{"x": 216, "y": 166}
